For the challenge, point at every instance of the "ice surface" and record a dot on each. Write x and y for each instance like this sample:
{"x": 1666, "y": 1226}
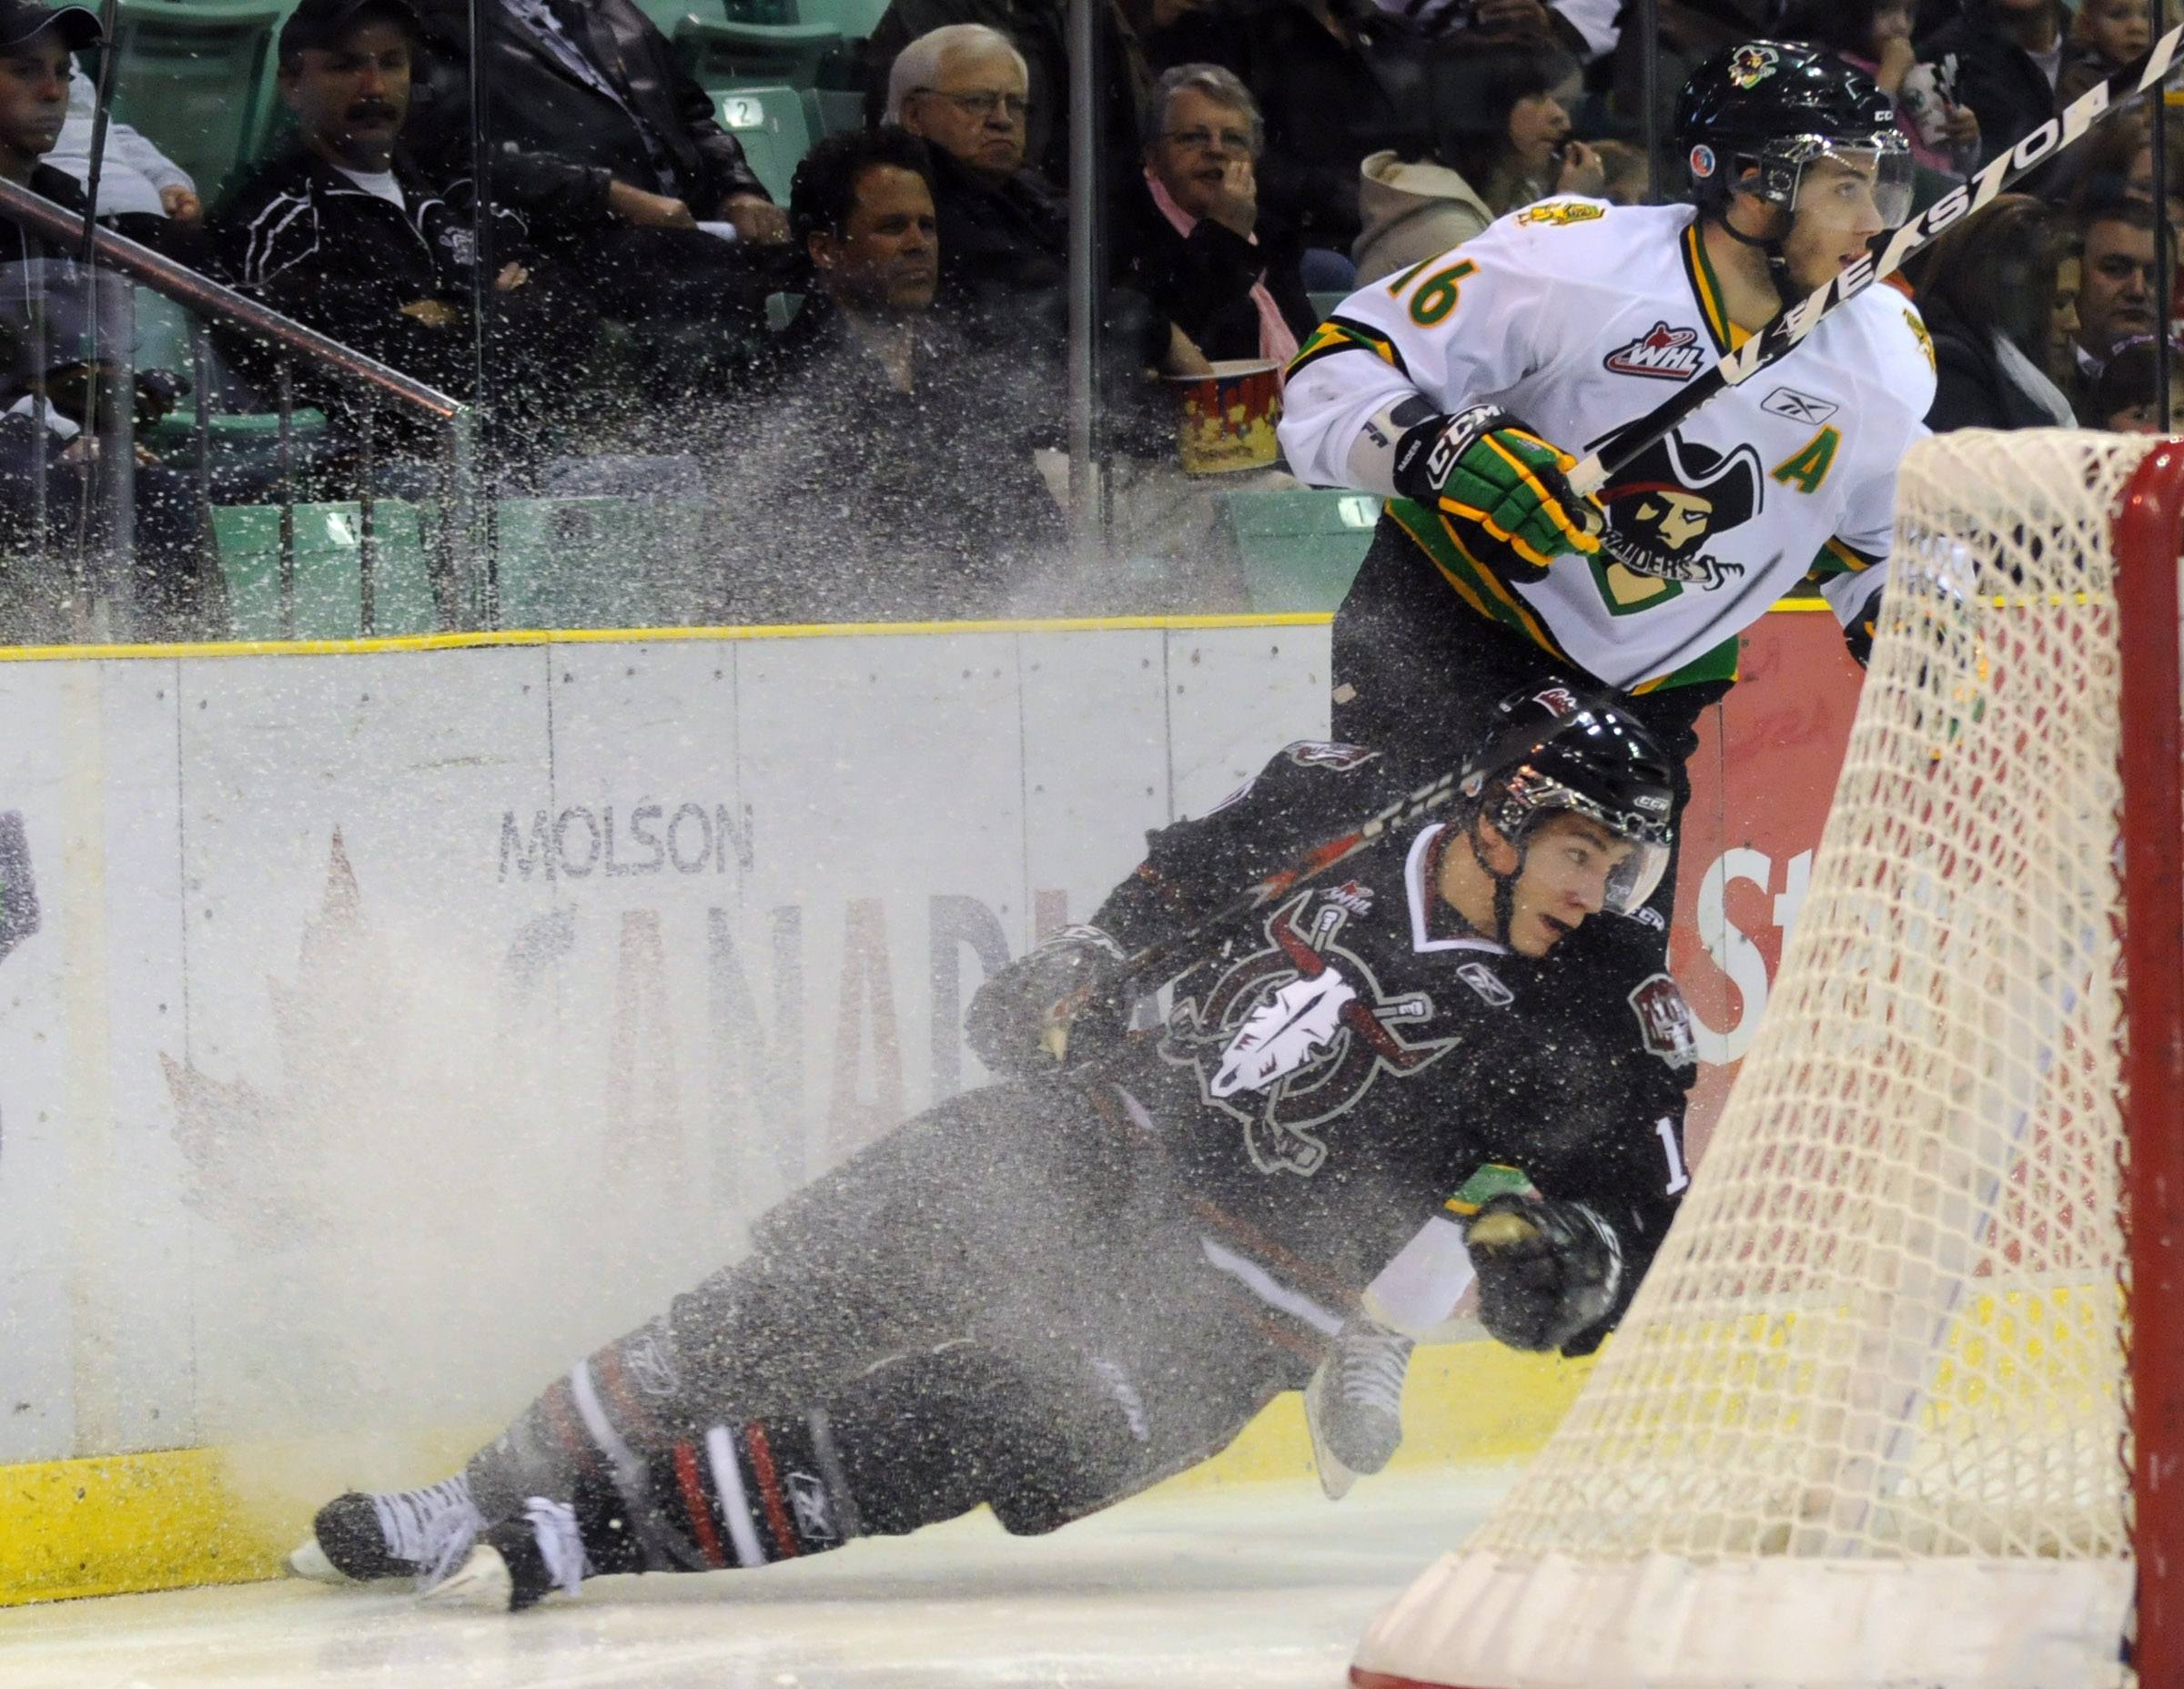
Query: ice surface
{"x": 1259, "y": 1587}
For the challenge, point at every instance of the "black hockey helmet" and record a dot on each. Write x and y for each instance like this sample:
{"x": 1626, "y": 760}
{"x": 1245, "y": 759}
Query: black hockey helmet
{"x": 1776, "y": 107}
{"x": 1555, "y": 747}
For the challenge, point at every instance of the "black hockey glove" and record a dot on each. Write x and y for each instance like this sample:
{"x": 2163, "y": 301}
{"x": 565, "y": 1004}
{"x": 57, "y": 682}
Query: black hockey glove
{"x": 1503, "y": 487}
{"x": 1863, "y": 626}
{"x": 1047, "y": 1005}
{"x": 1547, "y": 1270}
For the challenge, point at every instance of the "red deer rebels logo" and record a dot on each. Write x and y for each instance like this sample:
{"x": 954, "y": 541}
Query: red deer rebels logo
{"x": 1292, "y": 1036}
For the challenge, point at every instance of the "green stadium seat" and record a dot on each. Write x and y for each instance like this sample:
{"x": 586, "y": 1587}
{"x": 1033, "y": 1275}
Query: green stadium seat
{"x": 329, "y": 550}
{"x": 856, "y": 19}
{"x": 1300, "y": 551}
{"x": 1323, "y": 304}
{"x": 832, "y": 111}
{"x": 724, "y": 55}
{"x": 199, "y": 80}
{"x": 667, "y": 13}
{"x": 601, "y": 562}
{"x": 772, "y": 124}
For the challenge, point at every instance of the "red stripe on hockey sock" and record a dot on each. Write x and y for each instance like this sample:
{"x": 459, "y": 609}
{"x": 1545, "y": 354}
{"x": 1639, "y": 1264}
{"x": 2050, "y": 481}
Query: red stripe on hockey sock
{"x": 769, "y": 1490}
{"x": 606, "y": 1366}
{"x": 694, "y": 1503}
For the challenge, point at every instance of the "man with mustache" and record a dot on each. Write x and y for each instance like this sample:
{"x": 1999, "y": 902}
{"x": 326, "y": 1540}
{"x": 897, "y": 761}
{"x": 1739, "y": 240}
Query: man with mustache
{"x": 345, "y": 231}
{"x": 887, "y": 462}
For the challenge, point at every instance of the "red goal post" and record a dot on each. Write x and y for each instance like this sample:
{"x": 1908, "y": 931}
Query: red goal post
{"x": 1902, "y": 1401}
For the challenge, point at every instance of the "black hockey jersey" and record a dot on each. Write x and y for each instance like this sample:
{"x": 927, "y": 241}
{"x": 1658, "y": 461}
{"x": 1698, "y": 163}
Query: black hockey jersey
{"x": 1339, "y": 1070}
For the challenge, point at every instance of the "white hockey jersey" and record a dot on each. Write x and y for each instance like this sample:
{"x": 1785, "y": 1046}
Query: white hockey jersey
{"x": 1580, "y": 318}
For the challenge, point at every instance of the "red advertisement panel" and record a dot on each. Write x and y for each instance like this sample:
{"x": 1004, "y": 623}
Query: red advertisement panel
{"x": 1761, "y": 784}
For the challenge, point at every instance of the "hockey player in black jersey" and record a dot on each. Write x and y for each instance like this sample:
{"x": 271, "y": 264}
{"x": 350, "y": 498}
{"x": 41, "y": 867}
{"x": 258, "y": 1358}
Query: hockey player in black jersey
{"x": 1449, "y": 1059}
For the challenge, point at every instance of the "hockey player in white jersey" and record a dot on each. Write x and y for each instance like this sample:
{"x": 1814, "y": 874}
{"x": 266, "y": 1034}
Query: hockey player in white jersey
{"x": 1464, "y": 388}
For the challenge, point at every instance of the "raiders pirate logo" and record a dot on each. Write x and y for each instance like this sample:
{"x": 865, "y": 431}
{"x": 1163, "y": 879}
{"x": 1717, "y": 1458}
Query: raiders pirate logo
{"x": 1663, "y": 509}
{"x": 1753, "y": 64}
{"x": 1664, "y": 1021}
{"x": 1290, "y": 1036}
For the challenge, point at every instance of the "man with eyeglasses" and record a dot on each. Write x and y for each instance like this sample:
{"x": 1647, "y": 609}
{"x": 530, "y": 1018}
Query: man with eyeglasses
{"x": 1188, "y": 233}
{"x": 1004, "y": 234}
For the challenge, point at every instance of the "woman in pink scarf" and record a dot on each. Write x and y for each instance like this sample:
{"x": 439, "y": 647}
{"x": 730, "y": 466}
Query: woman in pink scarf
{"x": 1188, "y": 237}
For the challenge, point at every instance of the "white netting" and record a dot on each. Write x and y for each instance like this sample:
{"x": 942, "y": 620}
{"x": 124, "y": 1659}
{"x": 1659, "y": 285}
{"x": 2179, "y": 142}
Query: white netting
{"x": 1887, "y": 1325}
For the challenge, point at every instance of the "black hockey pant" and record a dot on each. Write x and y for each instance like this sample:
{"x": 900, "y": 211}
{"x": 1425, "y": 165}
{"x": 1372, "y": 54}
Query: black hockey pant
{"x": 1417, "y": 674}
{"x": 1005, "y": 1301}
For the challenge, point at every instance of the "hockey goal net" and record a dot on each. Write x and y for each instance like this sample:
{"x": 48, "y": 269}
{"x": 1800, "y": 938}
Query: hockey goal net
{"x": 1869, "y": 1420}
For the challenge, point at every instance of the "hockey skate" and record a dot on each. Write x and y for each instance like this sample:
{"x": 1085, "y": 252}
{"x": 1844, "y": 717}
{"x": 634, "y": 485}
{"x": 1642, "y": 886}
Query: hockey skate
{"x": 1354, "y": 1404}
{"x": 361, "y": 1538}
{"x": 516, "y": 1564}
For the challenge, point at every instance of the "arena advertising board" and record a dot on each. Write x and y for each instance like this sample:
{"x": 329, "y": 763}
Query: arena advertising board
{"x": 378, "y": 1028}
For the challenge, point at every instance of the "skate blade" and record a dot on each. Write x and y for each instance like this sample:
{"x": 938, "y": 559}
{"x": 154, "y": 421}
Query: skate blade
{"x": 1336, "y": 1480}
{"x": 308, "y": 1560}
{"x": 481, "y": 1582}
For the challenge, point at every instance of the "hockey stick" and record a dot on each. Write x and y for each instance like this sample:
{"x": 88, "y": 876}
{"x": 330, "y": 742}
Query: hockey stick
{"x": 1781, "y": 337}
{"x": 1155, "y": 962}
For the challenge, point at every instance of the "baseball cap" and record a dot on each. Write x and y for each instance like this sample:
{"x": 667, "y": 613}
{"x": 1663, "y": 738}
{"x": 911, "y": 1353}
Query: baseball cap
{"x": 322, "y": 23}
{"x": 22, "y": 19}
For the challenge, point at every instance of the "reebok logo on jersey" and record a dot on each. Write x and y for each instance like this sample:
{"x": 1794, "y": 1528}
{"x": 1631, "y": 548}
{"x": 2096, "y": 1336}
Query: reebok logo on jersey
{"x": 1660, "y": 354}
{"x": 1664, "y": 1021}
{"x": 813, "y": 1508}
{"x": 1486, "y": 983}
{"x": 1787, "y": 401}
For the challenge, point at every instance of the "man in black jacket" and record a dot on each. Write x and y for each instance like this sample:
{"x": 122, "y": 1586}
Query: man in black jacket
{"x": 345, "y": 232}
{"x": 52, "y": 369}
{"x": 888, "y": 461}
{"x": 601, "y": 137}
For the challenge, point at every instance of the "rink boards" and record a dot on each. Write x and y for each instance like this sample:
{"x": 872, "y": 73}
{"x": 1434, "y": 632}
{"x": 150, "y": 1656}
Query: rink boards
{"x": 381, "y": 1024}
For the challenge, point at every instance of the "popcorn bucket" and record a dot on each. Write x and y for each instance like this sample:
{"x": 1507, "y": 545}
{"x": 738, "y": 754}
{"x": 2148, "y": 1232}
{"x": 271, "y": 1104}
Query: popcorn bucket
{"x": 1226, "y": 420}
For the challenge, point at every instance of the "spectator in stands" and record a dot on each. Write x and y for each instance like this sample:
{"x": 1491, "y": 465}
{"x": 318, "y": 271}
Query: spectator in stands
{"x": 56, "y": 414}
{"x": 887, "y": 458}
{"x": 2116, "y": 298}
{"x": 1333, "y": 79}
{"x": 141, "y": 191}
{"x": 1187, "y": 235}
{"x": 2126, "y": 400}
{"x": 1004, "y": 234}
{"x": 1501, "y": 140}
{"x": 1987, "y": 293}
{"x": 2001, "y": 58}
{"x": 607, "y": 145}
{"x": 346, "y": 232}
{"x": 1876, "y": 37}
{"x": 2105, "y": 36}
{"x": 1037, "y": 30}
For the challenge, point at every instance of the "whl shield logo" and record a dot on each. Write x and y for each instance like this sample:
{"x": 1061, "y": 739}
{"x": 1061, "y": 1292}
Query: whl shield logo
{"x": 18, "y": 891}
{"x": 1660, "y": 354}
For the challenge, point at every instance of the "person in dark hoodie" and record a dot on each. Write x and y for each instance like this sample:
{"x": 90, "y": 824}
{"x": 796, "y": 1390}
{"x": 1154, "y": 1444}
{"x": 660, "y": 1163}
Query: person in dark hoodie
{"x": 346, "y": 232}
{"x": 56, "y": 377}
{"x": 1987, "y": 295}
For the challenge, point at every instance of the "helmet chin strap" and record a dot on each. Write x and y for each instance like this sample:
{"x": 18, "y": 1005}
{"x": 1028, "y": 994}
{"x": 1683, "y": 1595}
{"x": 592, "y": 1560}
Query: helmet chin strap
{"x": 1505, "y": 885}
{"x": 1769, "y": 246}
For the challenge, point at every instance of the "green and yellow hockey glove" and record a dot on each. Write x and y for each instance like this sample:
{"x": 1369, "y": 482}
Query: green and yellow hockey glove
{"x": 1503, "y": 487}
